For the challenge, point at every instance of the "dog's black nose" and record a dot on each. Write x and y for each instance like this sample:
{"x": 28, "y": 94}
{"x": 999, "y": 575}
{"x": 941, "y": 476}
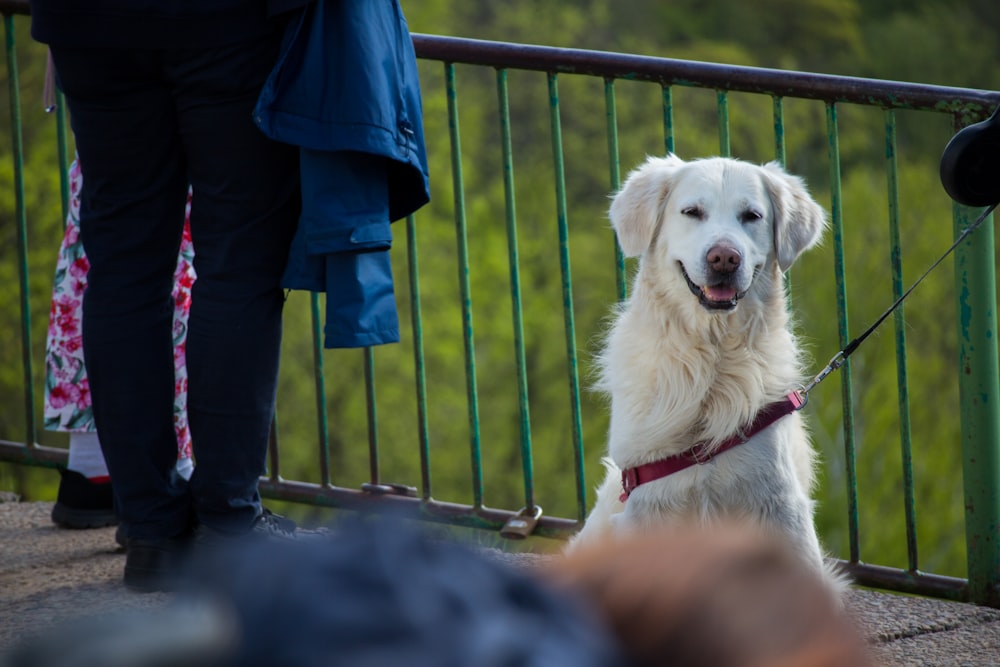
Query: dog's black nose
{"x": 723, "y": 259}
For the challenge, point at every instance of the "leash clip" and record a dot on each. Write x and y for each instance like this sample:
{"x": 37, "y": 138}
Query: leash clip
{"x": 835, "y": 363}
{"x": 798, "y": 398}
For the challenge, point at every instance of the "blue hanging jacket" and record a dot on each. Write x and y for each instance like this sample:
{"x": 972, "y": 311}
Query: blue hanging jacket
{"x": 346, "y": 91}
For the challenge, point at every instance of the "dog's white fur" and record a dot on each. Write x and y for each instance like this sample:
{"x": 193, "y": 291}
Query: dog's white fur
{"x": 692, "y": 360}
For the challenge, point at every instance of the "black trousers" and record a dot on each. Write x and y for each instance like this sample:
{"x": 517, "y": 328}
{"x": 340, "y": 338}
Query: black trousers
{"x": 148, "y": 123}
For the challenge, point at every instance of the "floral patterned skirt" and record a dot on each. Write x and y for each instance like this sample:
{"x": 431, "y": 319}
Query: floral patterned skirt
{"x": 67, "y": 391}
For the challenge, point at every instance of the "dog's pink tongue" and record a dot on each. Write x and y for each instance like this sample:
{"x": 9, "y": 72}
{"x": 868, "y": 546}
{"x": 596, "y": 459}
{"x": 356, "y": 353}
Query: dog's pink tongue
{"x": 719, "y": 293}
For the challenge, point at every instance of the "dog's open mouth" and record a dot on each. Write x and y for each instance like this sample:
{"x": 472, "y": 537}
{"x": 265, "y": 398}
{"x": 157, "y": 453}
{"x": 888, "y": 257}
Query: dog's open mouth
{"x": 720, "y": 296}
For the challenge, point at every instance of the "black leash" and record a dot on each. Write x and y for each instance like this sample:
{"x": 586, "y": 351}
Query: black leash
{"x": 838, "y": 359}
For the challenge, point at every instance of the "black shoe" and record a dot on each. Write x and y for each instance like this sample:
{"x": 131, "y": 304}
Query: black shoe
{"x": 267, "y": 525}
{"x": 82, "y": 503}
{"x": 275, "y": 526}
{"x": 155, "y": 564}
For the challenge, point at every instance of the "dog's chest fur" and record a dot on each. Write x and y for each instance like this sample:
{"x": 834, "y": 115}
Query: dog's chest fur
{"x": 680, "y": 376}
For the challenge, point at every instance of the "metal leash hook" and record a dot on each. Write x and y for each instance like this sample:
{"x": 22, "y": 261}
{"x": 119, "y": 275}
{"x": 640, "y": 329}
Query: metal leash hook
{"x": 834, "y": 364}
{"x": 522, "y": 524}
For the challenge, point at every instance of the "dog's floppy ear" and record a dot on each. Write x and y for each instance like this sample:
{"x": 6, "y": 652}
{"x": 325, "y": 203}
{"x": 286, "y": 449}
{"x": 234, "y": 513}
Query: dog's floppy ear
{"x": 798, "y": 220}
{"x": 636, "y": 206}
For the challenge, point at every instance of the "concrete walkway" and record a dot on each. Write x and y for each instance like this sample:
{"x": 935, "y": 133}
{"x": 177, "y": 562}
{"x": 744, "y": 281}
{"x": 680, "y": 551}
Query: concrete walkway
{"x": 48, "y": 575}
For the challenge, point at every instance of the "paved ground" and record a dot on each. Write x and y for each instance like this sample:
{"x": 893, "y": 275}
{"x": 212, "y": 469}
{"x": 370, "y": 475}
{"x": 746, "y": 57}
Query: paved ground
{"x": 49, "y": 575}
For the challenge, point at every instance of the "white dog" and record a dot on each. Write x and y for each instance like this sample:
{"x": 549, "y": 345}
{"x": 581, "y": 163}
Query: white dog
{"x": 701, "y": 364}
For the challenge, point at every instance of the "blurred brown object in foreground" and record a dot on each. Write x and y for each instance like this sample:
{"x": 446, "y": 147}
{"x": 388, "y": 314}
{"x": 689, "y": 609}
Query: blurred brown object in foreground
{"x": 728, "y": 596}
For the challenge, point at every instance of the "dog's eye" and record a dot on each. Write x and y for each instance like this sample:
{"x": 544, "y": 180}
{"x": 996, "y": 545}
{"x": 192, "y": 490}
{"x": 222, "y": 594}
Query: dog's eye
{"x": 750, "y": 215}
{"x": 694, "y": 212}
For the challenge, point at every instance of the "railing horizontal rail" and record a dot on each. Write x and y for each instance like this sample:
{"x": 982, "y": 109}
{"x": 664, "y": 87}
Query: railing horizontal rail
{"x": 32, "y": 453}
{"x": 907, "y": 581}
{"x": 434, "y": 510}
{"x": 339, "y": 498}
{"x": 668, "y": 71}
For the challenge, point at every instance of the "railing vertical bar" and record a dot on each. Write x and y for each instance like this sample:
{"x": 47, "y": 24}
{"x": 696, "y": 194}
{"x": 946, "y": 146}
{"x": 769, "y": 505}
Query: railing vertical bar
{"x": 668, "y": 119}
{"x": 899, "y": 320}
{"x": 374, "y": 471}
{"x": 778, "y": 112}
{"x": 319, "y": 378}
{"x": 614, "y": 169}
{"x": 17, "y": 145}
{"x": 847, "y": 400}
{"x": 722, "y": 103}
{"x": 527, "y": 466}
{"x": 461, "y": 233}
{"x": 419, "y": 360}
{"x": 975, "y": 289}
{"x": 567, "y": 291}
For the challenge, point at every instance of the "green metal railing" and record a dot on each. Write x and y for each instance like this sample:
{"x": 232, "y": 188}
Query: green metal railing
{"x": 976, "y": 372}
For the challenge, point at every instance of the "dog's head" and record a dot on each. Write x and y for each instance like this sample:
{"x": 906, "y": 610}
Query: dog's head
{"x": 716, "y": 221}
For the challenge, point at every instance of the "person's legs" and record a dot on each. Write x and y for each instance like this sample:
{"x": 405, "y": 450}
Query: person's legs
{"x": 244, "y": 209}
{"x": 132, "y": 213}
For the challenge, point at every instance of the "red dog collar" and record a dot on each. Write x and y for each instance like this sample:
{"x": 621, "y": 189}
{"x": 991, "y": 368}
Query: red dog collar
{"x": 633, "y": 477}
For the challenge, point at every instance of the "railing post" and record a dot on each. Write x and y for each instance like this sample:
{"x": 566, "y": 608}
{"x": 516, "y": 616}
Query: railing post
{"x": 975, "y": 286}
{"x": 21, "y": 220}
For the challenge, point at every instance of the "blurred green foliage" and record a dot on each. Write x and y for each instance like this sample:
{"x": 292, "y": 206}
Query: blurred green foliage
{"x": 958, "y": 44}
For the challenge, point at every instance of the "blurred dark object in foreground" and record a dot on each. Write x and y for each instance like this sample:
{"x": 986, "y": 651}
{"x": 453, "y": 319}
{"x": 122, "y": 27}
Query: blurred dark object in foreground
{"x": 725, "y": 596}
{"x": 970, "y": 164}
{"x": 378, "y": 594}
{"x": 381, "y": 593}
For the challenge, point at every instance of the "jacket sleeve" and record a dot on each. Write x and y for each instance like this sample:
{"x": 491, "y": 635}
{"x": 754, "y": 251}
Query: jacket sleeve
{"x": 341, "y": 247}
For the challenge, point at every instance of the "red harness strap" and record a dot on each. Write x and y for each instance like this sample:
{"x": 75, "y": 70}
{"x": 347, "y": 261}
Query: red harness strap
{"x": 633, "y": 477}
